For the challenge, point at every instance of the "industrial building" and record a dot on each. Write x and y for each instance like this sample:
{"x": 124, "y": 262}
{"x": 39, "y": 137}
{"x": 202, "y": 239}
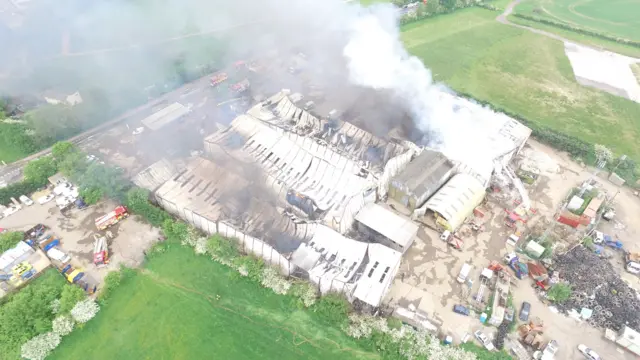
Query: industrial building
{"x": 290, "y": 186}
{"x": 422, "y": 177}
{"x": 455, "y": 201}
{"x": 379, "y": 224}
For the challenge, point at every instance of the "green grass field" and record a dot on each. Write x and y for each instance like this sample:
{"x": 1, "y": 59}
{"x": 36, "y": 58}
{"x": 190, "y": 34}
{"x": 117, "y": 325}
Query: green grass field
{"x": 524, "y": 73}
{"x": 636, "y": 70}
{"x": 619, "y": 18}
{"x": 172, "y": 311}
{"x": 9, "y": 154}
{"x": 580, "y": 38}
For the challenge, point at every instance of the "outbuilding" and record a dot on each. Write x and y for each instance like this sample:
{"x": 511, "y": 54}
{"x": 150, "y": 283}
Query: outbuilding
{"x": 422, "y": 177}
{"x": 386, "y": 227}
{"x": 455, "y": 201}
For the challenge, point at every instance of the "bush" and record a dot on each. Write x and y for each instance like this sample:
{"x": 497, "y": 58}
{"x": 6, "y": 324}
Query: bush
{"x": 91, "y": 195}
{"x": 559, "y": 293}
{"x": 137, "y": 200}
{"x": 8, "y": 240}
{"x": 332, "y": 308}
{"x": 70, "y": 296}
{"x": 63, "y": 325}
{"x": 111, "y": 282}
{"x": 85, "y": 310}
{"x": 14, "y": 190}
{"x": 250, "y": 267}
{"x": 39, "y": 170}
{"x": 28, "y": 312}
{"x": 40, "y": 346}
{"x": 222, "y": 249}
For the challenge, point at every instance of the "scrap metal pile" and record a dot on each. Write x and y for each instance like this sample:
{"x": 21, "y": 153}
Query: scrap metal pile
{"x": 597, "y": 286}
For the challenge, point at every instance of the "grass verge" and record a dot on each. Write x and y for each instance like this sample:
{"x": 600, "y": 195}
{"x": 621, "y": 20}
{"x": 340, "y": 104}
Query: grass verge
{"x": 185, "y": 306}
{"x": 523, "y": 73}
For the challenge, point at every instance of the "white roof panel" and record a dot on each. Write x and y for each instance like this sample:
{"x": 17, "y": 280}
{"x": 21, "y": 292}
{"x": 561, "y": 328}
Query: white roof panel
{"x": 397, "y": 228}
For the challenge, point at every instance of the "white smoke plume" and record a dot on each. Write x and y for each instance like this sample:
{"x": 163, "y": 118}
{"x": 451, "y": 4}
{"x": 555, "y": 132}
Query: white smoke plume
{"x": 377, "y": 58}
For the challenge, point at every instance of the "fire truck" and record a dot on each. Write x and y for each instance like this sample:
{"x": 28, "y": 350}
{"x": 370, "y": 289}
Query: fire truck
{"x": 100, "y": 250}
{"x": 119, "y": 213}
{"x": 218, "y": 79}
{"x": 241, "y": 86}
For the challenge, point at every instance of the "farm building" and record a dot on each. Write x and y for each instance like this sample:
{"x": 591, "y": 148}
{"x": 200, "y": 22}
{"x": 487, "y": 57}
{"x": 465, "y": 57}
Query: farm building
{"x": 455, "y": 201}
{"x": 422, "y": 177}
{"x": 386, "y": 227}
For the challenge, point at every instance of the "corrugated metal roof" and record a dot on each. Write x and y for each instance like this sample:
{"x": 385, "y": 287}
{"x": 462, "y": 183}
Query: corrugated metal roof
{"x": 165, "y": 116}
{"x": 397, "y": 228}
{"x": 457, "y": 199}
{"x": 426, "y": 173}
{"x": 378, "y": 275}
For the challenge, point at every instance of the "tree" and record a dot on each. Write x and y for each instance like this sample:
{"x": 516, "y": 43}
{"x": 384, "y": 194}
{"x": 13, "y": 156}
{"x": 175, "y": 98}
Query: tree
{"x": 41, "y": 169}
{"x": 40, "y": 346}
{"x": 91, "y": 195}
{"x": 559, "y": 293}
{"x": 73, "y": 165}
{"x": 9, "y": 240}
{"x": 602, "y": 153}
{"x": 62, "y": 149}
{"x": 53, "y": 122}
{"x": 106, "y": 179}
{"x": 63, "y": 325}
{"x": 17, "y": 137}
{"x": 85, "y": 310}
{"x": 70, "y": 296}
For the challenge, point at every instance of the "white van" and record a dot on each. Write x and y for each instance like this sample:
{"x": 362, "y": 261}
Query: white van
{"x": 25, "y": 200}
{"x": 464, "y": 272}
{"x": 633, "y": 267}
{"x": 58, "y": 255}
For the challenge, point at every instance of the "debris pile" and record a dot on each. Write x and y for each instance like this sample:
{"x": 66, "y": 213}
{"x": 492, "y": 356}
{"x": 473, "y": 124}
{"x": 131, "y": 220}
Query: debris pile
{"x": 597, "y": 286}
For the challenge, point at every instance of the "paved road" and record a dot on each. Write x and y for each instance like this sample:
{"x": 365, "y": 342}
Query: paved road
{"x": 12, "y": 171}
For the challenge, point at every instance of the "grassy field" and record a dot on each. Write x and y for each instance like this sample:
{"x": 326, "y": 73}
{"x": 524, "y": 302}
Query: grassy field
{"x": 619, "y": 18}
{"x": 636, "y": 70}
{"x": 186, "y": 306}
{"x": 581, "y": 38}
{"x": 524, "y": 73}
{"x": 9, "y": 154}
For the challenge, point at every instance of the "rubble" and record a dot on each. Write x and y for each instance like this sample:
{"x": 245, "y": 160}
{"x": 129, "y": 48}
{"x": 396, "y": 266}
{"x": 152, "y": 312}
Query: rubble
{"x": 597, "y": 286}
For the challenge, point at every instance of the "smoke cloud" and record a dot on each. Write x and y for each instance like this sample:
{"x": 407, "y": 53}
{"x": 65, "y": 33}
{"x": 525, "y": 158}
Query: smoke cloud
{"x": 123, "y": 46}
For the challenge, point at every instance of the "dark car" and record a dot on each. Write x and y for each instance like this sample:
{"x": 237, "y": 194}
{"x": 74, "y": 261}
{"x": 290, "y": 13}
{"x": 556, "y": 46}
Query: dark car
{"x": 524, "y": 311}
{"x": 462, "y": 310}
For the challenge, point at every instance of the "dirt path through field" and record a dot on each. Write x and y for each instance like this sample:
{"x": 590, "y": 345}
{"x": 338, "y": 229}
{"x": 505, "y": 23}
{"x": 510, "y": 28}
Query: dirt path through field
{"x": 502, "y": 18}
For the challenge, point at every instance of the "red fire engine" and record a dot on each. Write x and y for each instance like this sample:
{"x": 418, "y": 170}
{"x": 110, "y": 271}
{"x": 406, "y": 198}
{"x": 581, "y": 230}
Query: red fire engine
{"x": 100, "y": 250}
{"x": 241, "y": 86}
{"x": 218, "y": 79}
{"x": 119, "y": 213}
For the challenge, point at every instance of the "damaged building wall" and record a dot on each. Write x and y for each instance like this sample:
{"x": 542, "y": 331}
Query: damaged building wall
{"x": 421, "y": 178}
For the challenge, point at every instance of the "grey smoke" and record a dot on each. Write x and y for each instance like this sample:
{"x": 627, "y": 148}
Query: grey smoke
{"x": 350, "y": 49}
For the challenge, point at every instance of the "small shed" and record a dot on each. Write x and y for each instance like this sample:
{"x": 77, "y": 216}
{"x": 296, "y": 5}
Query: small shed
{"x": 57, "y": 179}
{"x": 455, "y": 201}
{"x": 387, "y": 227}
{"x": 535, "y": 249}
{"x": 422, "y": 177}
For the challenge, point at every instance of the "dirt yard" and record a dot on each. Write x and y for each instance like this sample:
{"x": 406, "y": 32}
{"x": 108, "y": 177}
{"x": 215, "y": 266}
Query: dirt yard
{"x": 427, "y": 278}
{"x": 76, "y": 231}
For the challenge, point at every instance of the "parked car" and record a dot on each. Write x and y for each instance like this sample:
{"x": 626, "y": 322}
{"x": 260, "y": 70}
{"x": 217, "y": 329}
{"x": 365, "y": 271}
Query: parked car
{"x": 11, "y": 210}
{"x": 588, "y": 353}
{"x": 484, "y": 340}
{"x": 25, "y": 200}
{"x": 138, "y": 130}
{"x": 58, "y": 255}
{"x": 45, "y": 199}
{"x": 524, "y": 311}
{"x": 598, "y": 237}
{"x": 462, "y": 310}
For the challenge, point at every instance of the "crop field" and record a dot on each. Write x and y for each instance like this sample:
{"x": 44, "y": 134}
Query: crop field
{"x": 523, "y": 73}
{"x": 619, "y": 18}
{"x": 185, "y": 306}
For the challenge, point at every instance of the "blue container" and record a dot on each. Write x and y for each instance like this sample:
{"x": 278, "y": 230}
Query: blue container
{"x": 51, "y": 245}
{"x": 483, "y": 318}
{"x": 448, "y": 340}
